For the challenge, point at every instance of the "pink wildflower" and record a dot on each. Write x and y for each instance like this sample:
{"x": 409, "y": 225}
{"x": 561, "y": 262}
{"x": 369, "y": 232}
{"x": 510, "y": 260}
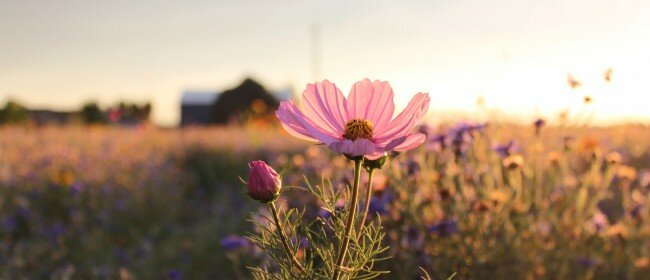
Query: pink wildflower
{"x": 360, "y": 125}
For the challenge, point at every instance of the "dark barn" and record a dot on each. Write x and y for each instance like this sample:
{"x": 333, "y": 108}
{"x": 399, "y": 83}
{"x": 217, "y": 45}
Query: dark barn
{"x": 197, "y": 108}
{"x": 248, "y": 95}
{"x": 246, "y": 102}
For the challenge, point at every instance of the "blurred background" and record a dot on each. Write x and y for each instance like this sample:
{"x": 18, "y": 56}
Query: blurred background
{"x": 124, "y": 126}
{"x": 515, "y": 55}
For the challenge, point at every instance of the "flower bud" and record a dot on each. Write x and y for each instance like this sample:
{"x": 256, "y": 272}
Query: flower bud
{"x": 263, "y": 182}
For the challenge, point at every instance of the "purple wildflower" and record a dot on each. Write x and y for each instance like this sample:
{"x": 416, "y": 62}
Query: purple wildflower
{"x": 413, "y": 238}
{"x": 505, "y": 150}
{"x": 324, "y": 213}
{"x": 587, "y": 262}
{"x": 539, "y": 123}
{"x": 9, "y": 224}
{"x": 412, "y": 167}
{"x": 23, "y": 212}
{"x": 304, "y": 242}
{"x": 426, "y": 130}
{"x": 54, "y": 231}
{"x": 233, "y": 242}
{"x": 462, "y": 135}
{"x": 445, "y": 227}
{"x": 568, "y": 141}
{"x": 599, "y": 220}
{"x": 644, "y": 182}
{"x": 121, "y": 204}
{"x": 378, "y": 205}
{"x": 478, "y": 127}
{"x": 636, "y": 210}
{"x": 437, "y": 142}
{"x": 122, "y": 256}
{"x": 76, "y": 188}
{"x": 174, "y": 274}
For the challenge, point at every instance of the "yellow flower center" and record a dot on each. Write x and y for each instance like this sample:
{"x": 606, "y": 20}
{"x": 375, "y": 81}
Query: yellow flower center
{"x": 358, "y": 128}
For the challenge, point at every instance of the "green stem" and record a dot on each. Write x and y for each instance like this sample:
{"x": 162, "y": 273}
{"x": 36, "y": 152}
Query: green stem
{"x": 366, "y": 207}
{"x": 348, "y": 228}
{"x": 276, "y": 218}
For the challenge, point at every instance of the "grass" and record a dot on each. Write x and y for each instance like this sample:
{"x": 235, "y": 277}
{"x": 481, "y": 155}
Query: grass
{"x": 106, "y": 202}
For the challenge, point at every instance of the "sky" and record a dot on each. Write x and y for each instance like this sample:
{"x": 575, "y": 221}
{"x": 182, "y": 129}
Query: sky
{"x": 515, "y": 55}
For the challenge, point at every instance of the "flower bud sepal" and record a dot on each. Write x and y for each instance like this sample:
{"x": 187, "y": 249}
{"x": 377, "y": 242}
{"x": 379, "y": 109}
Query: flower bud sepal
{"x": 369, "y": 165}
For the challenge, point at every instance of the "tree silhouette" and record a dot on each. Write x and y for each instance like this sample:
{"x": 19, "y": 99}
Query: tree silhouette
{"x": 92, "y": 114}
{"x": 13, "y": 113}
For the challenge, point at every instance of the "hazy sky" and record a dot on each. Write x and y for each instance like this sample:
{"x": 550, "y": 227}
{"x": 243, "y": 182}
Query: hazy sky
{"x": 516, "y": 54}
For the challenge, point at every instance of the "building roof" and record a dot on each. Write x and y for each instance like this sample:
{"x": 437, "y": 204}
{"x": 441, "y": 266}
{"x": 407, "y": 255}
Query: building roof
{"x": 284, "y": 94}
{"x": 198, "y": 97}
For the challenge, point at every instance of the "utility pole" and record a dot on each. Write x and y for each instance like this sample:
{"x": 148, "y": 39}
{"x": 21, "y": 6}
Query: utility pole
{"x": 316, "y": 49}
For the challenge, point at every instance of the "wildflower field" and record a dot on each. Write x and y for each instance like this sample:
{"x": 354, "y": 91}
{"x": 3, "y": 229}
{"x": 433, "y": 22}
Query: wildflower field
{"x": 488, "y": 201}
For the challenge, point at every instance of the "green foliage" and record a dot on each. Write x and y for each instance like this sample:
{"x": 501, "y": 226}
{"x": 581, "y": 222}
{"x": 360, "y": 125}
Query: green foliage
{"x": 13, "y": 113}
{"x": 323, "y": 236}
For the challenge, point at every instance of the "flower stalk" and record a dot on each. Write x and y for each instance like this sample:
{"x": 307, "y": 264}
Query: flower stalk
{"x": 349, "y": 225}
{"x": 285, "y": 243}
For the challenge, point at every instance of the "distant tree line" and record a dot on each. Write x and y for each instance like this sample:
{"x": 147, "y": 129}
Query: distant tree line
{"x": 123, "y": 113}
{"x": 13, "y": 113}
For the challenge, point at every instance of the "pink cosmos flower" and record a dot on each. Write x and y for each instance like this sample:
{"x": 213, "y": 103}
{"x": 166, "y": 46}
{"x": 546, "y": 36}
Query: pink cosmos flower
{"x": 360, "y": 125}
{"x": 263, "y": 182}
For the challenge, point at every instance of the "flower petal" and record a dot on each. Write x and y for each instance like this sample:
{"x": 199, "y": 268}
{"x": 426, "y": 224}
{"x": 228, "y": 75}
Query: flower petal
{"x": 357, "y": 147}
{"x": 377, "y": 154}
{"x": 291, "y": 124}
{"x": 325, "y": 105}
{"x": 371, "y": 101}
{"x": 405, "y": 121}
{"x": 406, "y": 143}
{"x": 297, "y": 124}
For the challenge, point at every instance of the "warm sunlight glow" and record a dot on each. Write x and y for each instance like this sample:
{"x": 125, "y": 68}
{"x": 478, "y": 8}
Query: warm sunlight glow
{"x": 515, "y": 55}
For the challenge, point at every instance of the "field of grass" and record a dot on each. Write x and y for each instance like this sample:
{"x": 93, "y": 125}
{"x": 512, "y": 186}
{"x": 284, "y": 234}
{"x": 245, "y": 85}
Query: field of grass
{"x": 104, "y": 202}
